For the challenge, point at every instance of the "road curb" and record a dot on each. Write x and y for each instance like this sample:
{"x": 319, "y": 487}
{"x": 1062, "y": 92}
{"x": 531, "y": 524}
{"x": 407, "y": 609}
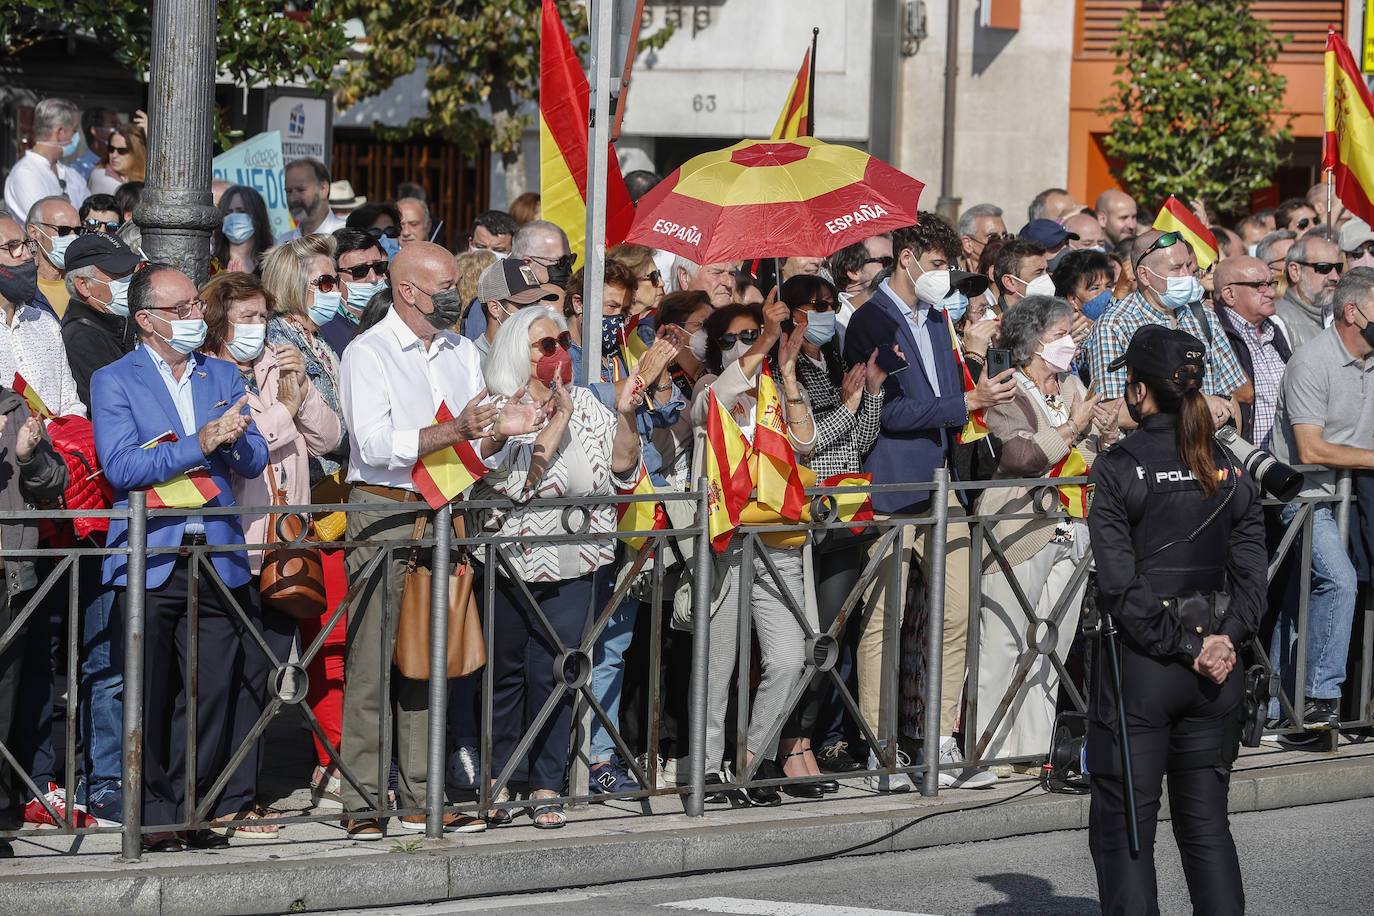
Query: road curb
{"x": 344, "y": 881}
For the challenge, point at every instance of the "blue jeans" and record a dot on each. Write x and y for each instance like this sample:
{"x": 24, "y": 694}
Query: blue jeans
{"x": 1330, "y": 613}
{"x": 608, "y": 662}
{"x": 102, "y": 679}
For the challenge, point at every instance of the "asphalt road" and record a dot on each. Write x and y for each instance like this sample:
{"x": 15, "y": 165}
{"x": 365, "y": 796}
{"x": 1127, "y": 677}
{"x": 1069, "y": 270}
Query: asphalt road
{"x": 1314, "y": 859}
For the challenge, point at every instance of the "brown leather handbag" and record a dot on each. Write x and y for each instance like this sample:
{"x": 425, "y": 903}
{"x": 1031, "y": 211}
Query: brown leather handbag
{"x": 292, "y": 578}
{"x": 466, "y": 649}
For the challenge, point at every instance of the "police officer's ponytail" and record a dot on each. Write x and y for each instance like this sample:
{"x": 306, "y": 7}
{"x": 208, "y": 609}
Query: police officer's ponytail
{"x": 1194, "y": 437}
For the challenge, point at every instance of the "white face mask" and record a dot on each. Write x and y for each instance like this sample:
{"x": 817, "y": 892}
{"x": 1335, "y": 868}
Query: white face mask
{"x": 733, "y": 355}
{"x": 1042, "y": 285}
{"x": 932, "y": 287}
{"x": 697, "y": 344}
{"x": 1058, "y": 353}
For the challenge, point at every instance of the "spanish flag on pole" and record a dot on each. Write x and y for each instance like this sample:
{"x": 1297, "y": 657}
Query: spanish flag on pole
{"x": 632, "y": 344}
{"x": 975, "y": 428}
{"x": 564, "y": 102}
{"x": 1074, "y": 497}
{"x": 775, "y": 471}
{"x": 727, "y": 472}
{"x": 1175, "y": 216}
{"x": 36, "y": 405}
{"x": 1348, "y": 147}
{"x": 640, "y": 516}
{"x": 795, "y": 120}
{"x": 188, "y": 490}
{"x": 441, "y": 476}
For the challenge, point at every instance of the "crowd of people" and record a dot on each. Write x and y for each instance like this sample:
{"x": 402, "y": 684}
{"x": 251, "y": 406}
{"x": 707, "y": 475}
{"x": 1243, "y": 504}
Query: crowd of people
{"x": 311, "y": 368}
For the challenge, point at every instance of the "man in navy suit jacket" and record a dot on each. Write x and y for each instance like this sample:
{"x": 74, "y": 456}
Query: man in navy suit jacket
{"x": 924, "y": 408}
{"x": 165, "y": 387}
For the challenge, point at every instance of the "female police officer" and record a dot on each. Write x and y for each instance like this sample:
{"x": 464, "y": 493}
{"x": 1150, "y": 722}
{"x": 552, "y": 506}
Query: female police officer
{"x": 1179, "y": 545}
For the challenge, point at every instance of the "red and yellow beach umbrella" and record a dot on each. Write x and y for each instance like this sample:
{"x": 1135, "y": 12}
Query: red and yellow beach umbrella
{"x": 774, "y": 198}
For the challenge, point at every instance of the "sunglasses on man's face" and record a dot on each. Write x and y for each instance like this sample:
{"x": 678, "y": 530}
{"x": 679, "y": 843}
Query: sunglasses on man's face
{"x": 95, "y": 225}
{"x": 548, "y": 345}
{"x": 1256, "y": 285}
{"x": 654, "y": 277}
{"x": 1167, "y": 240}
{"x": 883, "y": 262}
{"x": 1307, "y": 221}
{"x": 358, "y": 271}
{"x": 390, "y": 232}
{"x": 819, "y": 304}
{"x": 1322, "y": 267}
{"x": 1363, "y": 251}
{"x": 748, "y": 336}
{"x": 325, "y": 283}
{"x": 63, "y": 231}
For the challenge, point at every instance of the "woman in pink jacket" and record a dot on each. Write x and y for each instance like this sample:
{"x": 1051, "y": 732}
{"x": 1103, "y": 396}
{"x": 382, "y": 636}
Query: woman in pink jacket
{"x": 298, "y": 425}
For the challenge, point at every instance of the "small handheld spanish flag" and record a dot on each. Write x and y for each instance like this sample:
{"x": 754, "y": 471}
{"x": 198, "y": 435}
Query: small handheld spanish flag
{"x": 727, "y": 472}
{"x": 187, "y": 490}
{"x": 640, "y": 516}
{"x": 1075, "y": 498}
{"x": 1174, "y": 216}
{"x": 852, "y": 507}
{"x": 441, "y": 476}
{"x": 36, "y": 405}
{"x": 975, "y": 429}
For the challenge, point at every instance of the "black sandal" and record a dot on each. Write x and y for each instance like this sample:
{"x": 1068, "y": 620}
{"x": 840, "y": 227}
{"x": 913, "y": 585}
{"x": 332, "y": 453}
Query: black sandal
{"x": 498, "y": 816}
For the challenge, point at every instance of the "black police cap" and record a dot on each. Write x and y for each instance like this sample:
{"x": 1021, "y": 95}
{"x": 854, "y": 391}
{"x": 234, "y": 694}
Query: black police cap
{"x": 1161, "y": 352}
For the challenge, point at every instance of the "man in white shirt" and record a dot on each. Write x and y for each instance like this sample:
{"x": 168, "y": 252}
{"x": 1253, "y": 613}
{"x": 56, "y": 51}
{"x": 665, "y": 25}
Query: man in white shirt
{"x": 39, "y": 173}
{"x": 31, "y": 338}
{"x": 392, "y": 380}
{"x": 307, "y": 196}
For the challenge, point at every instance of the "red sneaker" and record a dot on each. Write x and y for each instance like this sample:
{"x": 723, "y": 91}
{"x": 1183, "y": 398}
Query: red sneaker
{"x": 35, "y": 813}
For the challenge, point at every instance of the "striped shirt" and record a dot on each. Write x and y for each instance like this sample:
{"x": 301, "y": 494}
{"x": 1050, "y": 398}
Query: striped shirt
{"x": 842, "y": 438}
{"x": 1268, "y": 368}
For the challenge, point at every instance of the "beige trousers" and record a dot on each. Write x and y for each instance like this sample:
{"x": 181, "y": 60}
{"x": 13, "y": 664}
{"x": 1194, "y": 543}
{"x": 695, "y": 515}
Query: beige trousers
{"x": 879, "y": 602}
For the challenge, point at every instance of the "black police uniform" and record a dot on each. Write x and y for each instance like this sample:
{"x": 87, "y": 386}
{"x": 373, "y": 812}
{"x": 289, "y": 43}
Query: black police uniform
{"x": 1144, "y": 498}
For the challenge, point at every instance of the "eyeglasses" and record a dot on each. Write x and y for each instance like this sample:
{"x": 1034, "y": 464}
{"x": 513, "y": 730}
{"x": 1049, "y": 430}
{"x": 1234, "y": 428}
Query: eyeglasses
{"x": 548, "y": 345}
{"x": 1167, "y": 240}
{"x": 63, "y": 231}
{"x": 325, "y": 283}
{"x": 1322, "y": 267}
{"x": 184, "y": 310}
{"x": 654, "y": 277}
{"x": 1255, "y": 284}
{"x": 117, "y": 150}
{"x": 884, "y": 262}
{"x": 95, "y": 225}
{"x": 390, "y": 232}
{"x": 819, "y": 305}
{"x": 13, "y": 246}
{"x": 1363, "y": 251}
{"x": 1306, "y": 221}
{"x": 748, "y": 336}
{"x": 358, "y": 271}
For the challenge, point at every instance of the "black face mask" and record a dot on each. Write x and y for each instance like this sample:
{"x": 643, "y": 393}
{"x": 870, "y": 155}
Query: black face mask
{"x": 1367, "y": 332}
{"x": 19, "y": 283}
{"x": 1133, "y": 410}
{"x": 448, "y": 309}
{"x": 560, "y": 271}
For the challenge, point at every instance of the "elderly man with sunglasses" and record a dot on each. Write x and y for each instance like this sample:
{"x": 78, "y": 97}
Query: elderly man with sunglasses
{"x": 54, "y": 224}
{"x": 1313, "y": 267}
{"x": 1167, "y": 293}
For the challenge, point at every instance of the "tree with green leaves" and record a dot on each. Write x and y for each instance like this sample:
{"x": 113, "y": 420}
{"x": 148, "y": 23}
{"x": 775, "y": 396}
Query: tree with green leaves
{"x": 481, "y": 61}
{"x": 258, "y": 42}
{"x": 1197, "y": 108}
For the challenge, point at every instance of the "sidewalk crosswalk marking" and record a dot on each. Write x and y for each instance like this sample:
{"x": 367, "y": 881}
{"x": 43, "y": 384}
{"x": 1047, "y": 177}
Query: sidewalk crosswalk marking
{"x": 738, "y": 906}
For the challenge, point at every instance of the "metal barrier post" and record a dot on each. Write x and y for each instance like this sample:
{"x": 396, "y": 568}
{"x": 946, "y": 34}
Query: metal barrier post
{"x": 935, "y": 632}
{"x": 131, "y": 838}
{"x": 438, "y": 672}
{"x": 701, "y": 643}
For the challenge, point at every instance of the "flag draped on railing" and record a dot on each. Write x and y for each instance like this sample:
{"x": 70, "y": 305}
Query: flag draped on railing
{"x": 640, "y": 516}
{"x": 852, "y": 507}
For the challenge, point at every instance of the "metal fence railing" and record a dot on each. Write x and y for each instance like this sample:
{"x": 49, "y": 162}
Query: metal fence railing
{"x": 654, "y": 572}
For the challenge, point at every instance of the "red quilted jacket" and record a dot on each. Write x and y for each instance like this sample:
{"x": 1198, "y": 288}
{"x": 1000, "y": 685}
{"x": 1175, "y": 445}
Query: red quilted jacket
{"x": 74, "y": 439}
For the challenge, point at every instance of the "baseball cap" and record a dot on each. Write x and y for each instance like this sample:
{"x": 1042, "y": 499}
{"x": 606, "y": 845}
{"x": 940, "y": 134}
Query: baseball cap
{"x": 515, "y": 280}
{"x": 1162, "y": 352}
{"x": 970, "y": 284}
{"x": 1047, "y": 232}
{"x": 100, "y": 249}
{"x": 1354, "y": 234}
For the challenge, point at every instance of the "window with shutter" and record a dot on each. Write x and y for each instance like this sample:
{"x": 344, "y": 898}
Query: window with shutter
{"x": 1305, "y": 20}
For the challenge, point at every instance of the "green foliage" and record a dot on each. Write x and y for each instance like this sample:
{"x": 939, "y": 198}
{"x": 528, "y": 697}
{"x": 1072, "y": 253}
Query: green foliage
{"x": 1197, "y": 108}
{"x": 255, "y": 43}
{"x": 409, "y": 848}
{"x": 476, "y": 53}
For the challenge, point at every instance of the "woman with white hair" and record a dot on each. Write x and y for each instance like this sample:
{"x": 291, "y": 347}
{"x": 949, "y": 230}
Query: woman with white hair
{"x": 584, "y": 449}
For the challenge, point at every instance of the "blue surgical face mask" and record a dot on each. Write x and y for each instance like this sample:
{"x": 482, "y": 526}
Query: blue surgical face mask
{"x": 248, "y": 341}
{"x": 187, "y": 334}
{"x": 1250, "y": 249}
{"x": 360, "y": 294}
{"x": 1178, "y": 291}
{"x": 1095, "y": 307}
{"x": 238, "y": 227}
{"x": 392, "y": 247}
{"x": 820, "y": 327}
{"x": 60, "y": 244}
{"x": 955, "y": 305}
{"x": 119, "y": 297}
{"x": 69, "y": 149}
{"x": 324, "y": 306}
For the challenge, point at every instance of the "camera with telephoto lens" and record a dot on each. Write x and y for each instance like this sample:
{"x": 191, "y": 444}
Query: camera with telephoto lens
{"x": 1274, "y": 477}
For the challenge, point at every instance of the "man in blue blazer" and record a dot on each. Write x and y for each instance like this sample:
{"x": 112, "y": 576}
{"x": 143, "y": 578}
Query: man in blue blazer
{"x": 924, "y": 408}
{"x": 162, "y": 387}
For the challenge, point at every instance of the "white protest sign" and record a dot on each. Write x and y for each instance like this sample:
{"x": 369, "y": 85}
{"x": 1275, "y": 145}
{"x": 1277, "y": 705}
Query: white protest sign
{"x": 257, "y": 163}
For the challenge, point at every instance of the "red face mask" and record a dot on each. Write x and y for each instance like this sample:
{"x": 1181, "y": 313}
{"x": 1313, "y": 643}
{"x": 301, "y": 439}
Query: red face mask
{"x": 557, "y": 365}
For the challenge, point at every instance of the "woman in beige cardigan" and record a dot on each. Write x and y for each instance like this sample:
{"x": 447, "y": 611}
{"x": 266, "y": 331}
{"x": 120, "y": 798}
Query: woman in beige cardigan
{"x": 1050, "y": 415}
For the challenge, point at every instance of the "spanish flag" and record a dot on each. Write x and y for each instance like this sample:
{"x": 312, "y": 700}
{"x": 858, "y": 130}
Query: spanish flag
{"x": 1349, "y": 142}
{"x": 1175, "y": 216}
{"x": 975, "y": 428}
{"x": 1075, "y": 498}
{"x": 564, "y": 102}
{"x": 632, "y": 345}
{"x": 441, "y": 476}
{"x": 640, "y": 516}
{"x": 36, "y": 405}
{"x": 775, "y": 470}
{"x": 727, "y": 472}
{"x": 852, "y": 507}
{"x": 188, "y": 490}
{"x": 795, "y": 120}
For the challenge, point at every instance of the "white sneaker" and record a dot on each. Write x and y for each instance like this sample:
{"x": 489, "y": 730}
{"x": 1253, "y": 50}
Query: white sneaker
{"x": 463, "y": 764}
{"x": 965, "y": 777}
{"x": 667, "y": 770}
{"x": 885, "y": 782}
